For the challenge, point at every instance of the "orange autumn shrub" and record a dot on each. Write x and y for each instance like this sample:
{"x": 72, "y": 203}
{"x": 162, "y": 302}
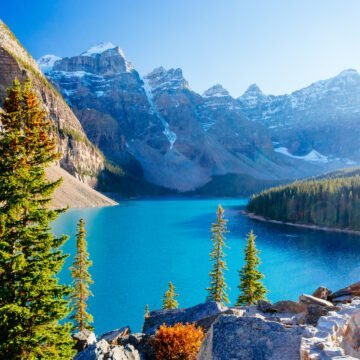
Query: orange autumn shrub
{"x": 178, "y": 342}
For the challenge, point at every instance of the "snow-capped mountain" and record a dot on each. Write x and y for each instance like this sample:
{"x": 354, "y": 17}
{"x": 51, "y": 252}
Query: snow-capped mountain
{"x": 323, "y": 117}
{"x": 161, "y": 131}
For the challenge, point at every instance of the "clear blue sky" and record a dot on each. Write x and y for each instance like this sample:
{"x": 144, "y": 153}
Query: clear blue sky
{"x": 281, "y": 45}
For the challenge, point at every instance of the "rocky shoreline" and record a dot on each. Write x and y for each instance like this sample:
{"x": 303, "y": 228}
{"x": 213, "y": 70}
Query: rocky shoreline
{"x": 324, "y": 325}
{"x": 304, "y": 226}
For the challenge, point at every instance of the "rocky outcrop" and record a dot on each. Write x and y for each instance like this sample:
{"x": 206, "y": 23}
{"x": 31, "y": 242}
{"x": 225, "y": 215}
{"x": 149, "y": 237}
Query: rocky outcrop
{"x": 337, "y": 335}
{"x": 107, "y": 347}
{"x": 202, "y": 315}
{"x": 311, "y": 329}
{"x": 345, "y": 294}
{"x": 233, "y": 337}
{"x": 79, "y": 157}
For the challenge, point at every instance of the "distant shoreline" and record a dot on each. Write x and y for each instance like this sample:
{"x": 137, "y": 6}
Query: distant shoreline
{"x": 304, "y": 226}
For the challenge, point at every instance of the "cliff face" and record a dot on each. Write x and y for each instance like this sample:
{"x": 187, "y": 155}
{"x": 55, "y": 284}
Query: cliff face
{"x": 79, "y": 157}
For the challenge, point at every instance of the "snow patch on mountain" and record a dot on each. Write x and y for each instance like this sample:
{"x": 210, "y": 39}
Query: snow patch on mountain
{"x": 98, "y": 49}
{"x": 171, "y": 136}
{"x": 313, "y": 155}
{"x": 46, "y": 62}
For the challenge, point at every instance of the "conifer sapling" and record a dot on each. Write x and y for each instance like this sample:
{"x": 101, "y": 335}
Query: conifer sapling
{"x": 218, "y": 287}
{"x": 251, "y": 286}
{"x": 81, "y": 281}
{"x": 169, "y": 298}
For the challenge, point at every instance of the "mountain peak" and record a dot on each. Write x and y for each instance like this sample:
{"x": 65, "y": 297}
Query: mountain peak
{"x": 349, "y": 72}
{"x": 100, "y": 48}
{"x": 253, "y": 89}
{"x": 161, "y": 79}
{"x": 46, "y": 62}
{"x": 216, "y": 91}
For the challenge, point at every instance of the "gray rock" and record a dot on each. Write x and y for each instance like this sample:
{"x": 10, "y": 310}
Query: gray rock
{"x": 141, "y": 342}
{"x": 84, "y": 338}
{"x": 249, "y": 338}
{"x": 112, "y": 337}
{"x": 202, "y": 315}
{"x": 312, "y": 300}
{"x": 265, "y": 306}
{"x": 322, "y": 293}
{"x": 314, "y": 312}
{"x": 123, "y": 353}
{"x": 346, "y": 294}
{"x": 96, "y": 351}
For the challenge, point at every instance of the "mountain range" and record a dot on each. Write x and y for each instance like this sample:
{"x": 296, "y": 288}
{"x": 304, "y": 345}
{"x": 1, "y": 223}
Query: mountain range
{"x": 134, "y": 135}
{"x": 164, "y": 134}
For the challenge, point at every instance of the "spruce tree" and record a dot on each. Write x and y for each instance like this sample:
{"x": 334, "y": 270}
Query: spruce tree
{"x": 218, "y": 287}
{"x": 147, "y": 311}
{"x": 81, "y": 281}
{"x": 251, "y": 287}
{"x": 169, "y": 301}
{"x": 32, "y": 302}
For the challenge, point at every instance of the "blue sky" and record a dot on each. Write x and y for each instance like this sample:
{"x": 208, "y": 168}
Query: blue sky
{"x": 281, "y": 45}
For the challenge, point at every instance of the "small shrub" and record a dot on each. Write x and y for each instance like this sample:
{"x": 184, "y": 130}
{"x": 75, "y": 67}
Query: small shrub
{"x": 178, "y": 342}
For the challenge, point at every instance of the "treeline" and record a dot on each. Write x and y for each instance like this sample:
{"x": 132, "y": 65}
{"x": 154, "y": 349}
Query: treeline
{"x": 331, "y": 202}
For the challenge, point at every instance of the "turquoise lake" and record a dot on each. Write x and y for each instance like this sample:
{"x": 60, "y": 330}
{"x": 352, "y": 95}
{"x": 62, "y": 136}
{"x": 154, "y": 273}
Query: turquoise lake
{"x": 141, "y": 245}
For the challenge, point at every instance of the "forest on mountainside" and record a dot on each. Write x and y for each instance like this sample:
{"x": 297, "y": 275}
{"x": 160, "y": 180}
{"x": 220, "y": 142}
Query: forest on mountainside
{"x": 329, "y": 202}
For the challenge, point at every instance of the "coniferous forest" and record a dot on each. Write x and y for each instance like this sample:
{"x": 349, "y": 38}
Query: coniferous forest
{"x": 329, "y": 202}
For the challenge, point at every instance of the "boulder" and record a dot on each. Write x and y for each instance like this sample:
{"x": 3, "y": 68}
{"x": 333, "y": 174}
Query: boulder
{"x": 314, "y": 312}
{"x": 96, "y": 351}
{"x": 103, "y": 350}
{"x": 112, "y": 337}
{"x": 202, "y": 315}
{"x": 265, "y": 306}
{"x": 141, "y": 342}
{"x": 312, "y": 300}
{"x": 84, "y": 338}
{"x": 322, "y": 293}
{"x": 247, "y": 338}
{"x": 123, "y": 353}
{"x": 346, "y": 294}
{"x": 288, "y": 306}
{"x": 284, "y": 306}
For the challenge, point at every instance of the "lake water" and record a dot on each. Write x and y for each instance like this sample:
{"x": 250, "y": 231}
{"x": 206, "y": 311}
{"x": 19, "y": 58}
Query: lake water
{"x": 139, "y": 246}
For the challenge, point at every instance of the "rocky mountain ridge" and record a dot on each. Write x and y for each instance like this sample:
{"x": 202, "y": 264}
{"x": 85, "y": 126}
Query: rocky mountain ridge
{"x": 321, "y": 120}
{"x": 162, "y": 132}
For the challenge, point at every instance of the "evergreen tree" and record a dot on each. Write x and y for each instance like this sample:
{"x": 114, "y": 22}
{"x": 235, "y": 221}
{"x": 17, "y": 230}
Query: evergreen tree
{"x": 32, "y": 302}
{"x": 251, "y": 287}
{"x": 81, "y": 281}
{"x": 169, "y": 301}
{"x": 147, "y": 311}
{"x": 218, "y": 287}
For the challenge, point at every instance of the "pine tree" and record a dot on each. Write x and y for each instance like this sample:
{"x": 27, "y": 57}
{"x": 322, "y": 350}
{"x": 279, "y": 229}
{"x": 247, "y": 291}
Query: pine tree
{"x": 81, "y": 281}
{"x": 147, "y": 311}
{"x": 169, "y": 301}
{"x": 218, "y": 287}
{"x": 251, "y": 287}
{"x": 32, "y": 302}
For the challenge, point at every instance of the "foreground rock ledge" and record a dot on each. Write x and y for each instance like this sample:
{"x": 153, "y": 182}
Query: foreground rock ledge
{"x": 320, "y": 326}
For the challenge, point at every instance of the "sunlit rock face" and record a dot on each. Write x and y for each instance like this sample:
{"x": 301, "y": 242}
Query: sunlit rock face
{"x": 78, "y": 156}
